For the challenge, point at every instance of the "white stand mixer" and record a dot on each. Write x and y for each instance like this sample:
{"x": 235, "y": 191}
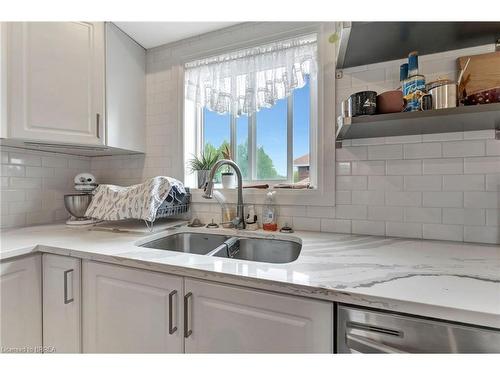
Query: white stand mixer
{"x": 77, "y": 203}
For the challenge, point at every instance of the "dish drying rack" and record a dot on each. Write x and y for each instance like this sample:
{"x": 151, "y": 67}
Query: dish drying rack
{"x": 165, "y": 210}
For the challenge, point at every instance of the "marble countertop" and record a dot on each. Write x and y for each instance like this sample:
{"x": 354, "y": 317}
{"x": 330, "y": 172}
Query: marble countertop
{"x": 447, "y": 280}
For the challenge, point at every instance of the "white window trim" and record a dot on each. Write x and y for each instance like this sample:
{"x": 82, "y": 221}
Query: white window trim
{"x": 324, "y": 150}
{"x": 252, "y": 138}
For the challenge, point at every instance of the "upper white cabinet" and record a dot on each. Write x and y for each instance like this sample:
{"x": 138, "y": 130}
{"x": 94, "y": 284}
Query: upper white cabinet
{"x": 226, "y": 319}
{"x": 56, "y": 82}
{"x": 127, "y": 310}
{"x": 72, "y": 84}
{"x": 61, "y": 304}
{"x": 21, "y": 305}
{"x": 125, "y": 91}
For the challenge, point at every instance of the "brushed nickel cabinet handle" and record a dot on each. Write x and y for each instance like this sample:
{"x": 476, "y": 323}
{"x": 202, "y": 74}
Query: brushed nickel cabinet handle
{"x": 187, "y": 331}
{"x": 171, "y": 295}
{"x": 66, "y": 300}
{"x": 98, "y": 120}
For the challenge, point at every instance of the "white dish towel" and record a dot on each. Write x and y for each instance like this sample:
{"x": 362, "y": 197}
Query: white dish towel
{"x": 141, "y": 201}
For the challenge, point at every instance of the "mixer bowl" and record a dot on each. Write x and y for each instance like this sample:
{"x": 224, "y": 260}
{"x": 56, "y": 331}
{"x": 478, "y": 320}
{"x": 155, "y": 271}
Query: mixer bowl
{"x": 77, "y": 204}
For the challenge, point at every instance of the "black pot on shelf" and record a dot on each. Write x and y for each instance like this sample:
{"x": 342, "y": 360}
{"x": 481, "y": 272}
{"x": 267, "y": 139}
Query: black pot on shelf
{"x": 362, "y": 103}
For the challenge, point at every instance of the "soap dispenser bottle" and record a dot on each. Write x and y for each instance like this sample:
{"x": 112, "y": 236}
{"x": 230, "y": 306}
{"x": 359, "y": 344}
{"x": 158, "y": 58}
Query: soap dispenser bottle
{"x": 269, "y": 213}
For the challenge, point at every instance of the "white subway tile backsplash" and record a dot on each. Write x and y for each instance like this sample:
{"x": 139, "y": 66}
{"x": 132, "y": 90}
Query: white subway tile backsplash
{"x": 384, "y": 152}
{"x": 373, "y": 228}
{"x": 343, "y": 197}
{"x": 480, "y": 134}
{"x": 464, "y": 148}
{"x": 320, "y": 211}
{"x": 24, "y": 159}
{"x": 464, "y": 216}
{"x": 336, "y": 225}
{"x": 404, "y": 167}
{"x": 351, "y": 153}
{"x": 385, "y": 213}
{"x": 443, "y": 232}
{"x": 344, "y": 211}
{"x": 403, "y": 198}
{"x": 492, "y": 217}
{"x": 423, "y": 183}
{"x": 398, "y": 229}
{"x": 489, "y": 164}
{"x": 443, "y": 199}
{"x": 493, "y": 147}
{"x": 422, "y": 150}
{"x": 440, "y": 137}
{"x": 307, "y": 223}
{"x": 463, "y": 183}
{"x": 368, "y": 77}
{"x": 422, "y": 214}
{"x": 443, "y": 166}
{"x": 13, "y": 170}
{"x": 482, "y": 234}
{"x": 493, "y": 182}
{"x": 368, "y": 197}
{"x": 351, "y": 182}
{"x": 403, "y": 139}
{"x": 368, "y": 168}
{"x": 388, "y": 183}
{"x": 481, "y": 200}
{"x": 343, "y": 168}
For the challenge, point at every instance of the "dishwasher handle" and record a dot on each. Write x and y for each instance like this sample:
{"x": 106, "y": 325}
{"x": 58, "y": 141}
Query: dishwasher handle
{"x": 364, "y": 345}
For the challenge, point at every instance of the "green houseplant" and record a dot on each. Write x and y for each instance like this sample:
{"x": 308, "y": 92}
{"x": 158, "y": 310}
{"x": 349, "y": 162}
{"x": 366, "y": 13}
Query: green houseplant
{"x": 202, "y": 165}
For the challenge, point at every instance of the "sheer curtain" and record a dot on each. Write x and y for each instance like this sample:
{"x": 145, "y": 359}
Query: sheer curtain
{"x": 245, "y": 81}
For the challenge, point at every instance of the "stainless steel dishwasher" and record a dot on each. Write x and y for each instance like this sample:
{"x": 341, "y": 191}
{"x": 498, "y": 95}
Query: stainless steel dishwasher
{"x": 366, "y": 331}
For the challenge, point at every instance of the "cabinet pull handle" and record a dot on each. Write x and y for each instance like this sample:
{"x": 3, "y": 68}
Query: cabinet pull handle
{"x": 97, "y": 121}
{"x": 171, "y": 329}
{"x": 187, "y": 332}
{"x": 66, "y": 300}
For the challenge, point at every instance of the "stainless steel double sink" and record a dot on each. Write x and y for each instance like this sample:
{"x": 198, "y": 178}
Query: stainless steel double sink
{"x": 224, "y": 246}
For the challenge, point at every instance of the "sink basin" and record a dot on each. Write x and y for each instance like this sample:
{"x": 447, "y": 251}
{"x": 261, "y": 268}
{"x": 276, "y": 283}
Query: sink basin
{"x": 194, "y": 243}
{"x": 260, "y": 250}
{"x": 218, "y": 245}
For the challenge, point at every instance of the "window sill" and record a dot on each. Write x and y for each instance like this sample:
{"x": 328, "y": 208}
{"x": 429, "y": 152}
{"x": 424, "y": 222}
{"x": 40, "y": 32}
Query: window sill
{"x": 297, "y": 197}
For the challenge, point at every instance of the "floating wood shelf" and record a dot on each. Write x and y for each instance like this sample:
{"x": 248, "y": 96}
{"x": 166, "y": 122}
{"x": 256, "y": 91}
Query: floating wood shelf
{"x": 467, "y": 118}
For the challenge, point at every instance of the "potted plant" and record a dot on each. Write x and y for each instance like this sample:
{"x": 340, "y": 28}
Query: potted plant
{"x": 202, "y": 165}
{"x": 228, "y": 177}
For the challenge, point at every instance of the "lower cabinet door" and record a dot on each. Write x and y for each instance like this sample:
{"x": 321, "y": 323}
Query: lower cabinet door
{"x": 227, "y": 319}
{"x": 127, "y": 310}
{"x": 21, "y": 305}
{"x": 61, "y": 304}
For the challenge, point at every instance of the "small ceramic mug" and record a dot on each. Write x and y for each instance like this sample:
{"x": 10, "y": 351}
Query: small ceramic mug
{"x": 391, "y": 102}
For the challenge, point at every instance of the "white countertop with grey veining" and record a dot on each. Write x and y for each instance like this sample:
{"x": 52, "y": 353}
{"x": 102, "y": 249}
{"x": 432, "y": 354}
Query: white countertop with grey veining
{"x": 447, "y": 280}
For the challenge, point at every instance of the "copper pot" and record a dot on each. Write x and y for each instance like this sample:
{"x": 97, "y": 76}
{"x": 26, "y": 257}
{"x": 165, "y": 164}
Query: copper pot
{"x": 390, "y": 102}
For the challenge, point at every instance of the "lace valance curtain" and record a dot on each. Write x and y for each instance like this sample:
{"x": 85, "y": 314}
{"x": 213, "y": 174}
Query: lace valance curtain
{"x": 245, "y": 81}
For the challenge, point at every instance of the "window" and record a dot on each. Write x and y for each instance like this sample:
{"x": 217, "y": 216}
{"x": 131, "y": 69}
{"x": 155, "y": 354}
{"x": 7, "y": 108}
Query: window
{"x": 259, "y": 108}
{"x": 271, "y": 145}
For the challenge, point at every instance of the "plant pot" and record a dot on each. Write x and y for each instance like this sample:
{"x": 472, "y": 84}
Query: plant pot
{"x": 228, "y": 180}
{"x": 202, "y": 178}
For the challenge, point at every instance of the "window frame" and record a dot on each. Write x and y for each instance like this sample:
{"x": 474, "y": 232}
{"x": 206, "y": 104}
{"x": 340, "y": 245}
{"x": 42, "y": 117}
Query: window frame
{"x": 252, "y": 138}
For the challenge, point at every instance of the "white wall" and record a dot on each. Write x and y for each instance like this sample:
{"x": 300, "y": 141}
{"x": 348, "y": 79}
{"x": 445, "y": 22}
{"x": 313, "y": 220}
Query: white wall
{"x": 34, "y": 183}
{"x": 440, "y": 186}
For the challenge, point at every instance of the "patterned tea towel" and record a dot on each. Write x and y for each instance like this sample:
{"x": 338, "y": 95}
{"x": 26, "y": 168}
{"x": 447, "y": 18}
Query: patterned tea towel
{"x": 141, "y": 201}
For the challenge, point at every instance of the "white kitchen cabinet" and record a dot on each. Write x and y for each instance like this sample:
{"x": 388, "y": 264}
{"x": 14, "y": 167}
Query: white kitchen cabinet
{"x": 56, "y": 82}
{"x": 61, "y": 304}
{"x": 127, "y": 310}
{"x": 125, "y": 91}
{"x": 227, "y": 319}
{"x": 21, "y": 305}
